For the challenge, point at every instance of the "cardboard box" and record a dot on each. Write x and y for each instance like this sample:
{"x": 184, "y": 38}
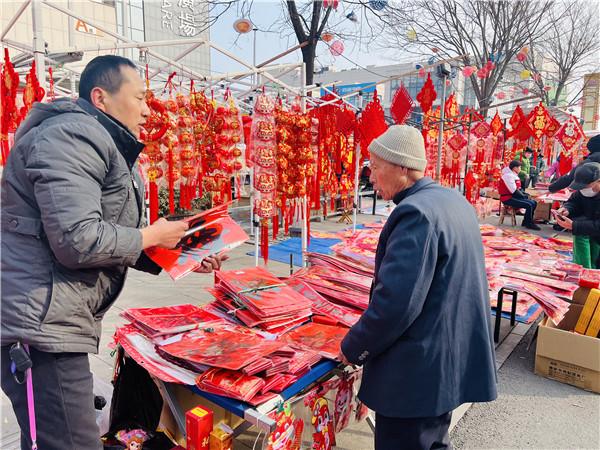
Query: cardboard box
{"x": 198, "y": 425}
{"x": 542, "y": 212}
{"x": 588, "y": 313}
{"x": 568, "y": 357}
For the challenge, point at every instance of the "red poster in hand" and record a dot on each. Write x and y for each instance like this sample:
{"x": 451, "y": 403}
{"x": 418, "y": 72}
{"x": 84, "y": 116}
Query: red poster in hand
{"x": 209, "y": 233}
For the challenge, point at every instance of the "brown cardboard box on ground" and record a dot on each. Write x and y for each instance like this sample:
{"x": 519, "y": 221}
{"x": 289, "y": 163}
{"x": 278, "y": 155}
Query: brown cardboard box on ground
{"x": 565, "y": 356}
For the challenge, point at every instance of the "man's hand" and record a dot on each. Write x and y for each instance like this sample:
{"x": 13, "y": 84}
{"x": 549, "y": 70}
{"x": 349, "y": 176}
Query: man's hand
{"x": 565, "y": 222}
{"x": 163, "y": 233}
{"x": 563, "y": 211}
{"x": 211, "y": 263}
{"x": 343, "y": 359}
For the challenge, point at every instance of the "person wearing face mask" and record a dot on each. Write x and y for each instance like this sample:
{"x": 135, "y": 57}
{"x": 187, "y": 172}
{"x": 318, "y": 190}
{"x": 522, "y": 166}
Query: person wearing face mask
{"x": 581, "y": 215}
{"x": 425, "y": 340}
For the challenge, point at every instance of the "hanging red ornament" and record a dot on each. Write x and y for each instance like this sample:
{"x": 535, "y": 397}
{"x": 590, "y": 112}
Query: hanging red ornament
{"x": 427, "y": 95}
{"x": 402, "y": 105}
{"x": 336, "y": 48}
{"x": 372, "y": 122}
{"x": 496, "y": 124}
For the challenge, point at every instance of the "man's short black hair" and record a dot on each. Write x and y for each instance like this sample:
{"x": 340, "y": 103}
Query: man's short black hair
{"x": 514, "y": 164}
{"x": 104, "y": 72}
{"x": 528, "y": 149}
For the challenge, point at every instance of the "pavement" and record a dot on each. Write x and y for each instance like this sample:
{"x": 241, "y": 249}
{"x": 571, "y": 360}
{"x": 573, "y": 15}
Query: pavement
{"x": 530, "y": 412}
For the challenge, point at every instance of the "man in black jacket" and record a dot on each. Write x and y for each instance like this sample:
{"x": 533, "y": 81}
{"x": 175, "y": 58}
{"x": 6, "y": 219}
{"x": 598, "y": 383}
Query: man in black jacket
{"x": 425, "y": 340}
{"x": 593, "y": 146}
{"x": 581, "y": 215}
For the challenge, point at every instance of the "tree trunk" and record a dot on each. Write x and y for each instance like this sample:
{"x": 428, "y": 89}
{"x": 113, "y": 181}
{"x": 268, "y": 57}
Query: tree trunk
{"x": 308, "y": 56}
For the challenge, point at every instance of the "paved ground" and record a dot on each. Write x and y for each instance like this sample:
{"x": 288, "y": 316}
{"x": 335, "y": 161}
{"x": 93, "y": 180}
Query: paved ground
{"x": 531, "y": 412}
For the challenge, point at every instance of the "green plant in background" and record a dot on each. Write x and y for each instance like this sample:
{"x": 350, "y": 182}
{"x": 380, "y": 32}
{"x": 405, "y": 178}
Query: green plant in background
{"x": 198, "y": 204}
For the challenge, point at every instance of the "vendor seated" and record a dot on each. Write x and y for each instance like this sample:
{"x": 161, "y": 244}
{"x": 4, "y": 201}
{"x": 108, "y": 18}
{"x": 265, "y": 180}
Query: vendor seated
{"x": 511, "y": 194}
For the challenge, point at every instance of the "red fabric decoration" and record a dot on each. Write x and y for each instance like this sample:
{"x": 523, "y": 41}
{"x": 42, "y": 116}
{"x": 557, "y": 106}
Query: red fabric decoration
{"x": 496, "y": 124}
{"x": 538, "y": 120}
{"x": 401, "y": 106}
{"x": 552, "y": 127}
{"x": 516, "y": 118}
{"x": 570, "y": 137}
{"x": 427, "y": 95}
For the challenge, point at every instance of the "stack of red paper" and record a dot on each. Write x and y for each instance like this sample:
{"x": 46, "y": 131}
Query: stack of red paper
{"x": 230, "y": 383}
{"x": 553, "y": 306}
{"x": 258, "y": 298}
{"x": 590, "y": 278}
{"x": 222, "y": 345}
{"x": 164, "y": 320}
{"x": 260, "y": 365}
{"x": 337, "y": 286}
{"x": 340, "y": 263}
{"x": 338, "y": 313}
{"x": 323, "y": 339}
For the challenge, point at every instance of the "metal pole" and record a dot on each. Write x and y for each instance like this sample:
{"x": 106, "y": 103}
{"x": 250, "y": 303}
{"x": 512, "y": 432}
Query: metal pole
{"x": 126, "y": 10}
{"x": 254, "y": 76}
{"x": 73, "y": 86}
{"x": 438, "y": 169}
{"x": 467, "y": 153}
{"x": 39, "y": 50}
{"x": 12, "y": 21}
{"x": 357, "y": 168}
{"x": 304, "y": 199}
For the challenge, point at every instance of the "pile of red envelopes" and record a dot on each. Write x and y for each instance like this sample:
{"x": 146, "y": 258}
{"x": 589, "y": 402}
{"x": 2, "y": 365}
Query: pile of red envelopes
{"x": 167, "y": 320}
{"x": 338, "y": 286}
{"x": 258, "y": 298}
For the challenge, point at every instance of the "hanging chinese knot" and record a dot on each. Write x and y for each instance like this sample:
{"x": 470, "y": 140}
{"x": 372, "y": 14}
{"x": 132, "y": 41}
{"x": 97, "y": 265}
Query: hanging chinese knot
{"x": 9, "y": 115}
{"x": 32, "y": 92}
{"x": 264, "y": 148}
{"x": 372, "y": 123}
{"x": 427, "y": 95}
{"x": 402, "y": 105}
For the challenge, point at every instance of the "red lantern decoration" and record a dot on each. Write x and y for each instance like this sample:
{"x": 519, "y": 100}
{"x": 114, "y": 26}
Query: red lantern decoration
{"x": 336, "y": 48}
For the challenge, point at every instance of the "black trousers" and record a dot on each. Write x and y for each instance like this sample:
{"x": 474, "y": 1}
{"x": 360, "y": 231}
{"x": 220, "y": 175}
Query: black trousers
{"x": 423, "y": 433}
{"x": 528, "y": 204}
{"x": 63, "y": 398}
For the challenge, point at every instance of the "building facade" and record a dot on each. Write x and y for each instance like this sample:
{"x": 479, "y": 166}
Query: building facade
{"x": 590, "y": 102}
{"x": 346, "y": 81}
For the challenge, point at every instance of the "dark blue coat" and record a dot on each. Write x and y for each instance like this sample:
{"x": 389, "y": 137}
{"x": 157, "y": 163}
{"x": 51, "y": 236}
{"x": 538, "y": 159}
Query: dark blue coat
{"x": 425, "y": 340}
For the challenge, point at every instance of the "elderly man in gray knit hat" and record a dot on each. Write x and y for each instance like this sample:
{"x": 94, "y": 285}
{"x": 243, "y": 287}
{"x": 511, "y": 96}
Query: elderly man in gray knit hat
{"x": 425, "y": 340}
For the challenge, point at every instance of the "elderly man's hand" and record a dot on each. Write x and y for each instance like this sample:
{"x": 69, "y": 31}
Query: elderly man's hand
{"x": 343, "y": 359}
{"x": 211, "y": 263}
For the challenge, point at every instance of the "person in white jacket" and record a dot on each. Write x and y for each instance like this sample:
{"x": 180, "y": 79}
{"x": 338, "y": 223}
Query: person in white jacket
{"x": 509, "y": 188}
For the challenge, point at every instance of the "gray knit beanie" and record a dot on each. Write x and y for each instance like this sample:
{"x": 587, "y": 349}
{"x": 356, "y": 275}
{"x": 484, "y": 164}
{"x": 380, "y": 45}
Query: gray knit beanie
{"x": 401, "y": 145}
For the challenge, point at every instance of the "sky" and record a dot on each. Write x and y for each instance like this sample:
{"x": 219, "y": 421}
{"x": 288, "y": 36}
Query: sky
{"x": 270, "y": 43}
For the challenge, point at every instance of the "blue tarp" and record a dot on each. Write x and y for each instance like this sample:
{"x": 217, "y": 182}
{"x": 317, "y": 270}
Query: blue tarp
{"x": 281, "y": 251}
